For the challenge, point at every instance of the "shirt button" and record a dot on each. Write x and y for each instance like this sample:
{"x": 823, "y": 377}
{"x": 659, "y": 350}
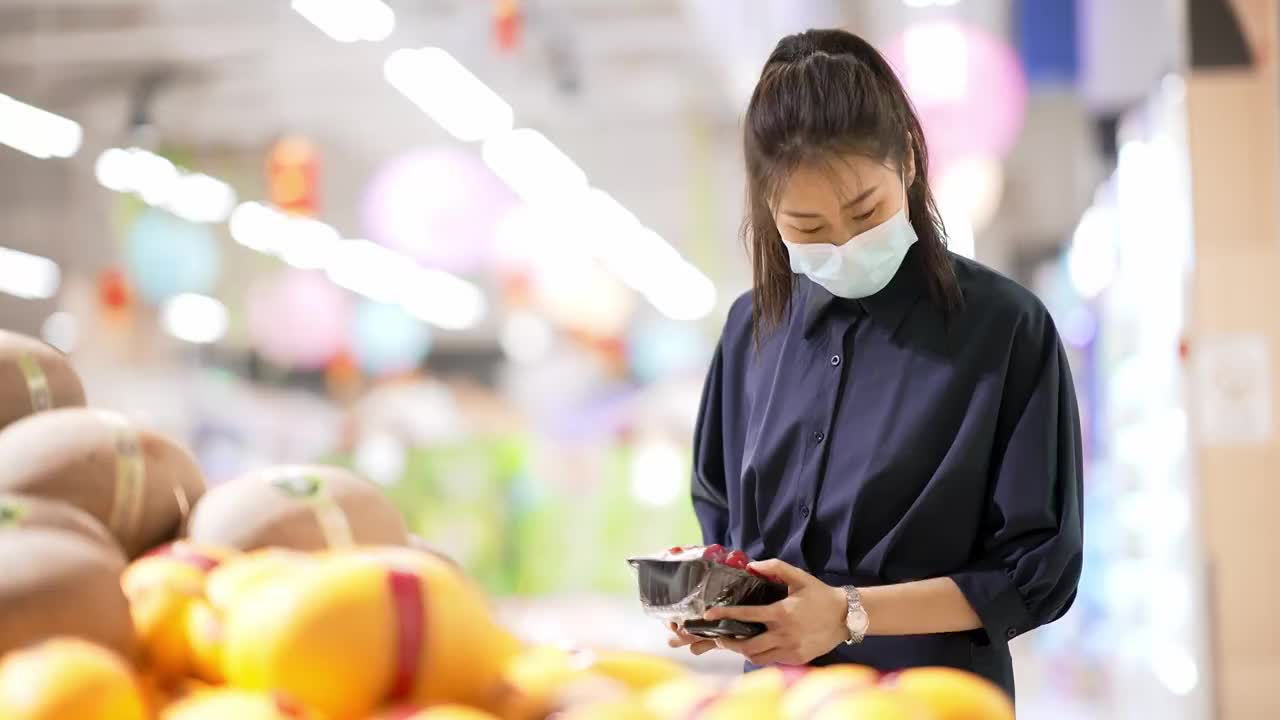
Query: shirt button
{"x": 804, "y": 510}
{"x": 818, "y": 436}
{"x": 835, "y": 361}
{"x": 1011, "y": 633}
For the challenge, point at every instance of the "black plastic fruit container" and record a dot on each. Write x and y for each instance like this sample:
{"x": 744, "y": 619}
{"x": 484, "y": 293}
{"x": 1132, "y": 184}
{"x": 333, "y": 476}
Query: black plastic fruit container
{"x": 683, "y": 590}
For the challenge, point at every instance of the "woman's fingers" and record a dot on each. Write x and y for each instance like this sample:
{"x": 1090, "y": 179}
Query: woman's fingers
{"x": 751, "y": 646}
{"x": 745, "y": 613}
{"x": 703, "y": 646}
{"x": 697, "y": 645}
{"x": 680, "y": 638}
{"x": 794, "y": 577}
{"x": 770, "y": 657}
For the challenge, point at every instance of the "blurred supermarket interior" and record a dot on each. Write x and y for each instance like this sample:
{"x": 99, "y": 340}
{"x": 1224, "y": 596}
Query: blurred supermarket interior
{"x": 481, "y": 252}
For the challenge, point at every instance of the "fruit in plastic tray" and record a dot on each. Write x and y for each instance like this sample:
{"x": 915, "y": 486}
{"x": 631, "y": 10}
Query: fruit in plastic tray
{"x": 715, "y": 553}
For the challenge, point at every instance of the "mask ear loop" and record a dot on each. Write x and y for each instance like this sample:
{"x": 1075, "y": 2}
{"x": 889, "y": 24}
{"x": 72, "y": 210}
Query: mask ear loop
{"x": 905, "y": 212}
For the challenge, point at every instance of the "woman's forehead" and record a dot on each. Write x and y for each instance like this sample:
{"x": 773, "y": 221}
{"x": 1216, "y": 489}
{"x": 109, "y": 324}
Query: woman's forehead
{"x": 834, "y": 179}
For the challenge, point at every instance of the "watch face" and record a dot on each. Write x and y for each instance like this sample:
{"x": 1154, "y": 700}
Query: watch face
{"x": 858, "y": 621}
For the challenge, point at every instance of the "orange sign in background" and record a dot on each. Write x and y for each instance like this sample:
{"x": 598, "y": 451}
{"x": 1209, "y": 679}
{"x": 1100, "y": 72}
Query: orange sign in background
{"x": 293, "y": 176}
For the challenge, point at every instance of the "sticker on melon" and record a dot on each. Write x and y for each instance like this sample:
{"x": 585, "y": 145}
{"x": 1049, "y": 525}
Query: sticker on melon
{"x": 37, "y": 383}
{"x": 131, "y": 477}
{"x": 12, "y": 512}
{"x": 184, "y": 508}
{"x": 329, "y": 515}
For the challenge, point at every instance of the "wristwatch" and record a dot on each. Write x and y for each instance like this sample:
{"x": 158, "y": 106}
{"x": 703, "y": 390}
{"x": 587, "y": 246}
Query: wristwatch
{"x": 856, "y": 620}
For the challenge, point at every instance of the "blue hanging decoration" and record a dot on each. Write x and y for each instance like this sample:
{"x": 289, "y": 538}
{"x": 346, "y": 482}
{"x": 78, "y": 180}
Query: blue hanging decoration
{"x": 167, "y": 256}
{"x": 657, "y": 348}
{"x": 386, "y": 339}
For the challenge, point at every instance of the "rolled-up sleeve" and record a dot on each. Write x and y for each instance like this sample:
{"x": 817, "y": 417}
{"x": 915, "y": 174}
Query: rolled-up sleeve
{"x": 710, "y": 502}
{"x": 1031, "y": 555}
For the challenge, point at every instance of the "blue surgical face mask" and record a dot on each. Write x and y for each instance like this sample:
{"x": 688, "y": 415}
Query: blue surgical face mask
{"x": 863, "y": 265}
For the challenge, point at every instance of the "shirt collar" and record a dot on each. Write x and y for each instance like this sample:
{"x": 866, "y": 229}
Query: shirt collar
{"x": 888, "y": 307}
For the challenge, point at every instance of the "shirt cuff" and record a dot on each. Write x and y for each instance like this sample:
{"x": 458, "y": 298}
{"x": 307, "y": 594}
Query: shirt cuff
{"x": 997, "y": 602}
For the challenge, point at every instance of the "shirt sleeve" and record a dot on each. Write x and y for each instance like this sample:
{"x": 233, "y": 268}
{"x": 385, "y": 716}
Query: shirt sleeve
{"x": 710, "y": 501}
{"x": 1031, "y": 556}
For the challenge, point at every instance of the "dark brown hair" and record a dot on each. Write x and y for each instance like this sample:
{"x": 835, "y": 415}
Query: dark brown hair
{"x": 824, "y": 93}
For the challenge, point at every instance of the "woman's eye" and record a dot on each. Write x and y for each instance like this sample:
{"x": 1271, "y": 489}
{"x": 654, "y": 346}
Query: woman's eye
{"x": 866, "y": 216}
{"x": 810, "y": 231}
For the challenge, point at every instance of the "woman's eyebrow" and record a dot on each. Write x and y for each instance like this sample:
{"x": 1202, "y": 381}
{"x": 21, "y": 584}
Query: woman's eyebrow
{"x": 865, "y": 194}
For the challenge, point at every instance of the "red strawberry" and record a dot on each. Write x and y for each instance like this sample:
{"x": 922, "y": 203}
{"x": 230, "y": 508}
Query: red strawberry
{"x": 675, "y": 550}
{"x": 715, "y": 553}
{"x": 737, "y": 559}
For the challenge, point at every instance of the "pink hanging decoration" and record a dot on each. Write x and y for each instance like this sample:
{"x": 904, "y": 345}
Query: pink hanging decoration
{"x": 298, "y": 319}
{"x": 440, "y": 206}
{"x": 967, "y": 84}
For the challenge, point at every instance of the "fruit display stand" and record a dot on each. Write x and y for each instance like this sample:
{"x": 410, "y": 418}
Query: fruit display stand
{"x": 387, "y": 632}
{"x": 296, "y": 591}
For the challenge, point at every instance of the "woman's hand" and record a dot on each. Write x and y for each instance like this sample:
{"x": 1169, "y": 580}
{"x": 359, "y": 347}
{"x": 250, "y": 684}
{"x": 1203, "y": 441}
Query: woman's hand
{"x": 696, "y": 645}
{"x": 806, "y": 625}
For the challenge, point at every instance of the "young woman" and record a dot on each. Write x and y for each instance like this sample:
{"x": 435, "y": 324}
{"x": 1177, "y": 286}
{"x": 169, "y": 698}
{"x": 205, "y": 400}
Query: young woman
{"x": 894, "y": 424}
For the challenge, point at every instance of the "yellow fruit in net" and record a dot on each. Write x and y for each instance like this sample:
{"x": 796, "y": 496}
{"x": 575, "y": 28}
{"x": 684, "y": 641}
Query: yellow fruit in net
{"x": 820, "y": 684}
{"x": 447, "y": 712}
{"x": 159, "y": 590}
{"x": 870, "y": 704}
{"x": 67, "y": 678}
{"x": 350, "y": 632}
{"x": 609, "y": 710}
{"x": 950, "y": 694}
{"x": 679, "y": 698}
{"x": 161, "y": 587}
{"x": 532, "y": 681}
{"x": 203, "y": 630}
{"x": 233, "y": 704}
{"x": 635, "y": 670}
{"x": 241, "y": 573}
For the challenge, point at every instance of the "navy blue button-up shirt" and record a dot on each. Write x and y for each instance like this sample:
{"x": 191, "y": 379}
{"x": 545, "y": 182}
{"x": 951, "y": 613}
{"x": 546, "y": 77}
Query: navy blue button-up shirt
{"x": 881, "y": 441}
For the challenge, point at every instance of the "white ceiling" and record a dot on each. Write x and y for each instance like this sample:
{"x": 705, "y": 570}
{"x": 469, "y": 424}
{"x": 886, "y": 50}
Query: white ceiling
{"x": 637, "y": 91}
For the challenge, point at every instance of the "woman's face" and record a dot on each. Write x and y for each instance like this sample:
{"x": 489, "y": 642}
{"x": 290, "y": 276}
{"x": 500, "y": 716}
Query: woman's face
{"x": 834, "y": 201}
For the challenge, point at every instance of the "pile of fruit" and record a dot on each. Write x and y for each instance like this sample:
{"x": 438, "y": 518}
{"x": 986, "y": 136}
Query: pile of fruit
{"x": 133, "y": 592}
